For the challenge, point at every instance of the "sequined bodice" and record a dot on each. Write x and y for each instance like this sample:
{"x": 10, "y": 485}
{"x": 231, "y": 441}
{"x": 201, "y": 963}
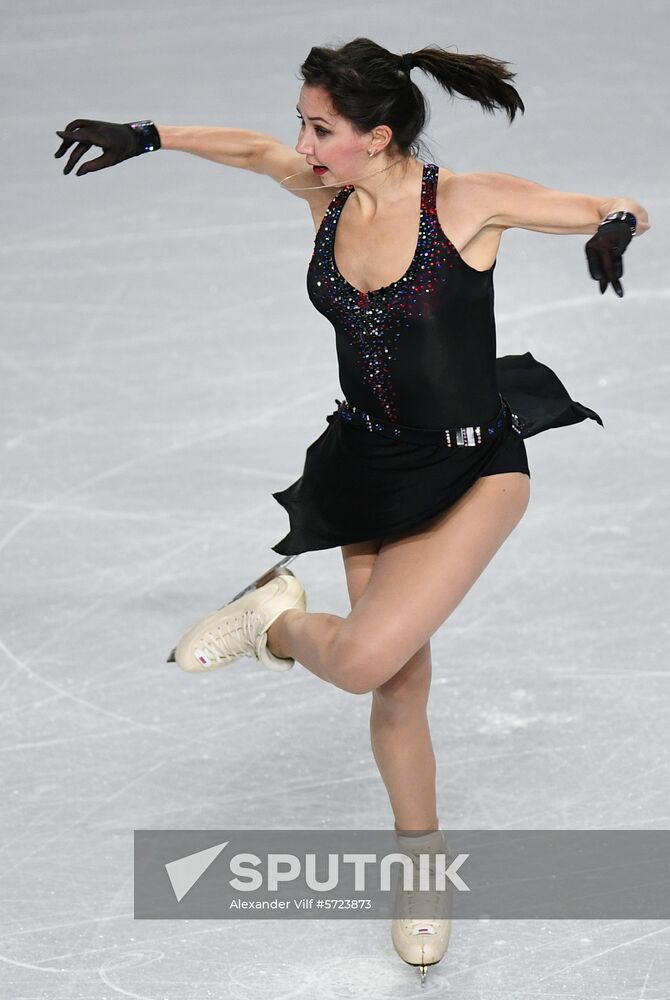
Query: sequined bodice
{"x": 420, "y": 351}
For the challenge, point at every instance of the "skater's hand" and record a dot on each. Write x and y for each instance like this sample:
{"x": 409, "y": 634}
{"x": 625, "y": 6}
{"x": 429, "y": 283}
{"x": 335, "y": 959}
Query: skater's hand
{"x": 119, "y": 142}
{"x": 604, "y": 252}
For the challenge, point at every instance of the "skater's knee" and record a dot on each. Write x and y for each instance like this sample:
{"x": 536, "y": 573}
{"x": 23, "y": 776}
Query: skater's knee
{"x": 361, "y": 665}
{"x": 407, "y": 691}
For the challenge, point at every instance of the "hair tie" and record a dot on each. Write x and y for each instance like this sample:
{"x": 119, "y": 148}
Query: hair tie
{"x": 406, "y": 61}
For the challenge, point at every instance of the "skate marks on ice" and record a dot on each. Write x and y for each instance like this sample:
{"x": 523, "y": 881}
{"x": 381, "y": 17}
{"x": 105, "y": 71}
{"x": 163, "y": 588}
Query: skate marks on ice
{"x": 514, "y": 959}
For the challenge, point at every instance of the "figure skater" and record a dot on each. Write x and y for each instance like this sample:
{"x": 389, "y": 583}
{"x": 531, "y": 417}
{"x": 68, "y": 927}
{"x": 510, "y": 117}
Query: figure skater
{"x": 421, "y": 472}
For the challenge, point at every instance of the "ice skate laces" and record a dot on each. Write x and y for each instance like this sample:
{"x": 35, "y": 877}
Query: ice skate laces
{"x": 235, "y": 637}
{"x": 423, "y": 904}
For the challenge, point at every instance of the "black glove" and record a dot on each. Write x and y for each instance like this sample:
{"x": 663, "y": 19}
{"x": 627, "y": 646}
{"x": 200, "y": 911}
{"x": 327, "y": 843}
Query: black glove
{"x": 604, "y": 251}
{"x": 119, "y": 142}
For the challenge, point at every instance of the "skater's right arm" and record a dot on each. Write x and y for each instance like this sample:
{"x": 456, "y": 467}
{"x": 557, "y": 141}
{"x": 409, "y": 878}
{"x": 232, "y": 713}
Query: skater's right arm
{"x": 256, "y": 151}
{"x": 233, "y": 147}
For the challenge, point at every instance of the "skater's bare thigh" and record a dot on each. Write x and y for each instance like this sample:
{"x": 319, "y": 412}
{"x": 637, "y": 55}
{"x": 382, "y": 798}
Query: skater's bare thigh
{"x": 359, "y": 559}
{"x": 418, "y": 578}
{"x": 411, "y": 684}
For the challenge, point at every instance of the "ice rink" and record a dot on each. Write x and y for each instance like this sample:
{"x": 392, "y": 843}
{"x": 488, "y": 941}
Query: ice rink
{"x": 163, "y": 374}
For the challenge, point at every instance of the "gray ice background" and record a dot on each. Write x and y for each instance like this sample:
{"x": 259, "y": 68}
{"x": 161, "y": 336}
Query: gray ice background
{"x": 164, "y": 372}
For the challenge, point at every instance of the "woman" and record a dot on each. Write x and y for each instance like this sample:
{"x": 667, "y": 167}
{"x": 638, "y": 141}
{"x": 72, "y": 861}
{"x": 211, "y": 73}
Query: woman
{"x": 421, "y": 473}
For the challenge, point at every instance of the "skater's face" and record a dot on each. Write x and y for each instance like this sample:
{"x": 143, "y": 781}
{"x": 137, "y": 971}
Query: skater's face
{"x": 329, "y": 140}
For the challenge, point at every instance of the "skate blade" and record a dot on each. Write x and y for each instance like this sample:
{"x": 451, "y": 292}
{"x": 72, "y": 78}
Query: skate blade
{"x": 259, "y": 582}
{"x": 263, "y": 579}
{"x": 423, "y": 969}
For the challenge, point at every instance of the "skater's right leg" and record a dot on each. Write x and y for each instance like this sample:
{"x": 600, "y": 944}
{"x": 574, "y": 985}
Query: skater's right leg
{"x": 402, "y": 746}
{"x": 403, "y": 750}
{"x": 399, "y": 731}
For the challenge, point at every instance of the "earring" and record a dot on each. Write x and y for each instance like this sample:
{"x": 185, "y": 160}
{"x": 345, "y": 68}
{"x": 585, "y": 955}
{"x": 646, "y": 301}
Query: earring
{"x": 370, "y": 152}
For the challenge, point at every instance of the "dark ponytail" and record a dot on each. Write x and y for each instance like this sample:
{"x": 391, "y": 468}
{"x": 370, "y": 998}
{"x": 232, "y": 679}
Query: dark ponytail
{"x": 369, "y": 85}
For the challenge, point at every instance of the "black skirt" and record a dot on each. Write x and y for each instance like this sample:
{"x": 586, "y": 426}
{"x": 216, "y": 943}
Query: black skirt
{"x": 358, "y": 485}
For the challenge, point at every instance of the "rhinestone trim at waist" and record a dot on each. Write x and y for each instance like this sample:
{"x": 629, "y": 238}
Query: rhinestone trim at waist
{"x": 465, "y": 436}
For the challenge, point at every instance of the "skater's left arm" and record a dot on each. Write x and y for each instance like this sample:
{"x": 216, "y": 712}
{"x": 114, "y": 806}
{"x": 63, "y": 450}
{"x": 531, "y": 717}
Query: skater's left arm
{"x": 503, "y": 201}
{"x": 506, "y": 202}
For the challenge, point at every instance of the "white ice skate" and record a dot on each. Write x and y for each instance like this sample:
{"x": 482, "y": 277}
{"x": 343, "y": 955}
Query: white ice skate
{"x": 240, "y": 628}
{"x": 421, "y": 929}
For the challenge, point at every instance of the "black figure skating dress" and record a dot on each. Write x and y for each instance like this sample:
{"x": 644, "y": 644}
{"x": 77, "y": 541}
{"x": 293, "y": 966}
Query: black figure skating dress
{"x": 428, "y": 407}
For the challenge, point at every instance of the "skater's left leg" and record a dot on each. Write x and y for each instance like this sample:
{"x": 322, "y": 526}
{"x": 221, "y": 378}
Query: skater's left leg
{"x": 359, "y": 560}
{"x": 417, "y": 582}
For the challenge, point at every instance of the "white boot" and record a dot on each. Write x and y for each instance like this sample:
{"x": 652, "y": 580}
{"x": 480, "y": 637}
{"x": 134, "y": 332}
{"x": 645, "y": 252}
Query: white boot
{"x": 240, "y": 628}
{"x": 421, "y": 929}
